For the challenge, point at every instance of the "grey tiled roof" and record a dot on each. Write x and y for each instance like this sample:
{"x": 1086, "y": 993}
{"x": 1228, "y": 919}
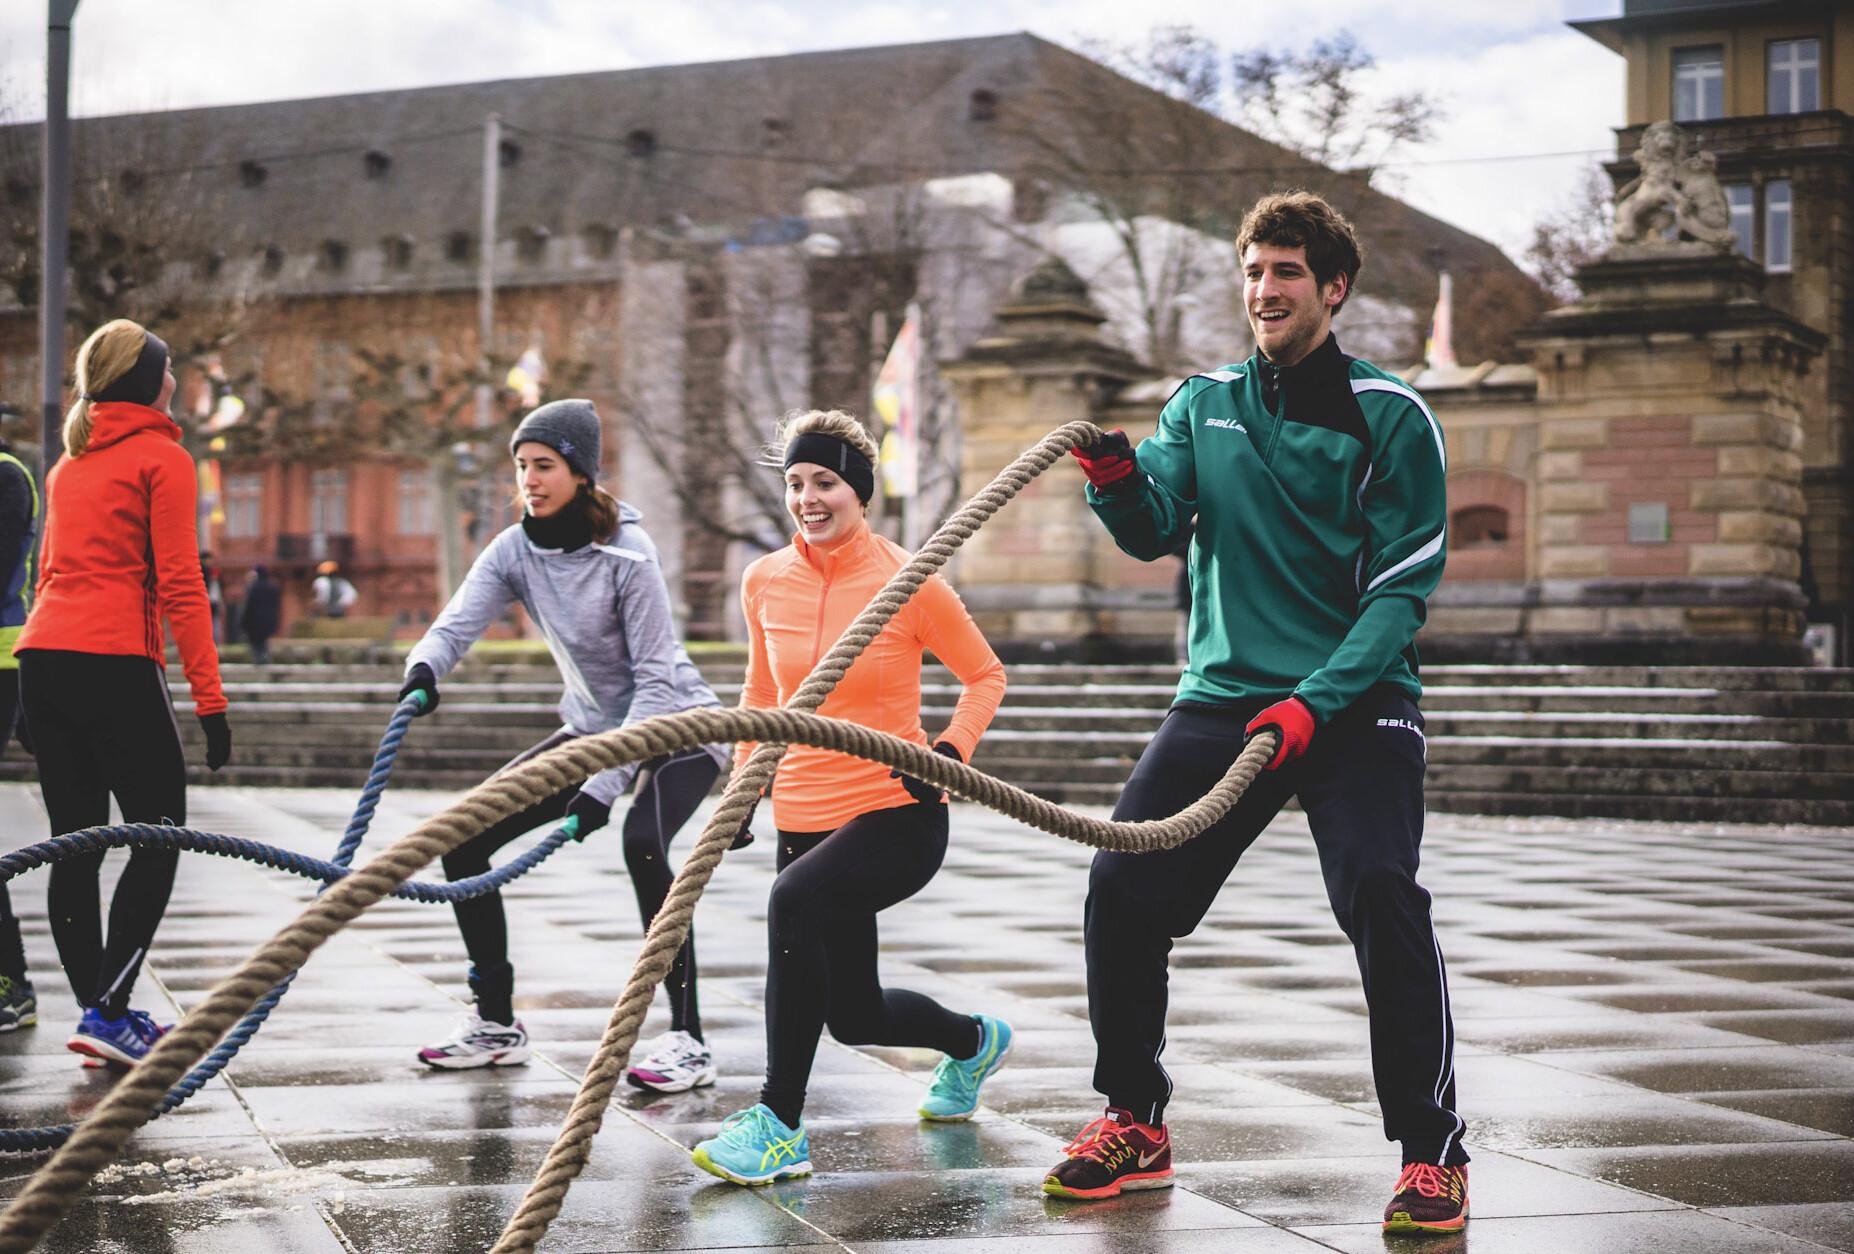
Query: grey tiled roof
{"x": 729, "y": 141}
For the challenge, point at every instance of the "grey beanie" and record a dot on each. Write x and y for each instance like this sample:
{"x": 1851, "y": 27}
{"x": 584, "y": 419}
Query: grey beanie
{"x": 570, "y": 428}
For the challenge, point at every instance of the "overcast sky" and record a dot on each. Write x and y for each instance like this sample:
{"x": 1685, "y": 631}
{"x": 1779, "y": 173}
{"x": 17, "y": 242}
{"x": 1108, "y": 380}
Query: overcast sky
{"x": 1516, "y": 82}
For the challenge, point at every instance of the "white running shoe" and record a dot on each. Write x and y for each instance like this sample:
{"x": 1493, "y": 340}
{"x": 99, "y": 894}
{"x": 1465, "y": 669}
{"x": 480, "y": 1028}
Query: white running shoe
{"x": 676, "y": 1063}
{"x": 477, "y": 1042}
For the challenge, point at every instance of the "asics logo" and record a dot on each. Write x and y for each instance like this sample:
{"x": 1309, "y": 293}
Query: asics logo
{"x": 1227, "y": 423}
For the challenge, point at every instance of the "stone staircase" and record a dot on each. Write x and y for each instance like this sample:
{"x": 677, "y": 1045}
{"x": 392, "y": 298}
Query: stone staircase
{"x": 1684, "y": 744}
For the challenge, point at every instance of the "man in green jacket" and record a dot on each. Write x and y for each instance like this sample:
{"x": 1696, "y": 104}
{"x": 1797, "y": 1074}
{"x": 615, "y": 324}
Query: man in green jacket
{"x": 1316, "y": 485}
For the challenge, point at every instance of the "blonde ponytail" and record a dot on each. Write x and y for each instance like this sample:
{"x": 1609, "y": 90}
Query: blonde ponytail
{"x": 109, "y": 353}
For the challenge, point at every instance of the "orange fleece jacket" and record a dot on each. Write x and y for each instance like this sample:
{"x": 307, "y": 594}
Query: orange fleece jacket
{"x": 122, "y": 550}
{"x": 797, "y": 602}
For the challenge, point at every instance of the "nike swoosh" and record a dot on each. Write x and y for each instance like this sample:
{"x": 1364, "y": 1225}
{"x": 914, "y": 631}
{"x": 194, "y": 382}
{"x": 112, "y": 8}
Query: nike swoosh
{"x": 1146, "y": 1160}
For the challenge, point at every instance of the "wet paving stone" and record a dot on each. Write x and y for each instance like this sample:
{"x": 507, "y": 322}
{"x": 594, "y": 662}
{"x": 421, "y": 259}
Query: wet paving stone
{"x": 1828, "y": 1110}
{"x": 1641, "y": 1008}
{"x": 1813, "y": 1171}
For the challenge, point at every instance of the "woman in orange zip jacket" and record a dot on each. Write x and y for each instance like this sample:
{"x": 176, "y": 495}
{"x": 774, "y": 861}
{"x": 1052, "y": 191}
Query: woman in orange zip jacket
{"x": 854, "y": 837}
{"x": 121, "y": 552}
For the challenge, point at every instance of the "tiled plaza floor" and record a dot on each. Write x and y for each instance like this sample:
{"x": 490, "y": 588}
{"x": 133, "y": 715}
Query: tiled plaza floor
{"x": 1656, "y": 1030}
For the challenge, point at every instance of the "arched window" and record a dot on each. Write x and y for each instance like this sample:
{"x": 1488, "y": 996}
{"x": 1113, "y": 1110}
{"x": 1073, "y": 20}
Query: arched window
{"x": 1478, "y": 527}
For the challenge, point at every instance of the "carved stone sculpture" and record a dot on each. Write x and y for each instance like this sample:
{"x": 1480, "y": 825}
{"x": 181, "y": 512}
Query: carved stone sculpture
{"x": 1678, "y": 188}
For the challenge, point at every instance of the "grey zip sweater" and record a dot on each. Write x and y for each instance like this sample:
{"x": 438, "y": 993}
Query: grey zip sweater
{"x": 605, "y": 612}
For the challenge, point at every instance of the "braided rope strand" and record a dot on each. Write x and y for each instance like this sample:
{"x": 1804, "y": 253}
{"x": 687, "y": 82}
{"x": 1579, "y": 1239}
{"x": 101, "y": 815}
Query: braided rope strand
{"x": 51, "y": 1191}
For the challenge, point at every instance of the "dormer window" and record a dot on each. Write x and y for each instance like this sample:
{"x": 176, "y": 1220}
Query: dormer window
{"x": 641, "y": 142}
{"x": 531, "y": 243}
{"x": 982, "y": 105}
{"x": 601, "y": 240}
{"x": 376, "y": 163}
{"x": 398, "y": 251}
{"x": 252, "y": 173}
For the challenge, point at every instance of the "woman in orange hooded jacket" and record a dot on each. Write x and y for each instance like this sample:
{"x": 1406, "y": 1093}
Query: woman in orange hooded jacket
{"x": 854, "y": 837}
{"x": 121, "y": 552}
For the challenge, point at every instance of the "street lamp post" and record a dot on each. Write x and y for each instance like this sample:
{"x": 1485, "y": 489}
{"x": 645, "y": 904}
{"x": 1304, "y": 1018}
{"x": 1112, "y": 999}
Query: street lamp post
{"x": 54, "y": 226}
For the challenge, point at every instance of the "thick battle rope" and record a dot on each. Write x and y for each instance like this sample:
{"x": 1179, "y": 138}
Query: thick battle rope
{"x": 49, "y": 1194}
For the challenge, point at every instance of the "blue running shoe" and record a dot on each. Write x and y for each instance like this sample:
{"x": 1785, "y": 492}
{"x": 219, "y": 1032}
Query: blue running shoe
{"x": 954, "y": 1093}
{"x": 756, "y": 1148}
{"x": 122, "y": 1042}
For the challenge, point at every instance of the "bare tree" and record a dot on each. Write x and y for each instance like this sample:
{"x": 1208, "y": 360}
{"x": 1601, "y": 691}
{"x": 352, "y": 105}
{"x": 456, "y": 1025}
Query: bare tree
{"x": 145, "y": 243}
{"x": 1319, "y": 103}
{"x": 1575, "y": 233}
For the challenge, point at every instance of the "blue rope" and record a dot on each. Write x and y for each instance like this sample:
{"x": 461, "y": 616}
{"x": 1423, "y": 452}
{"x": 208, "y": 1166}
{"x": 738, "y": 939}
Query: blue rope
{"x": 153, "y": 836}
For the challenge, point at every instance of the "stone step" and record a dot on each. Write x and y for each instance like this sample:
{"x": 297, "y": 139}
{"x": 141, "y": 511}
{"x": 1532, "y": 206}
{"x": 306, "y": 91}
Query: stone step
{"x": 1636, "y": 806}
{"x": 1691, "y": 755}
{"x": 1729, "y": 678}
{"x": 1647, "y": 782}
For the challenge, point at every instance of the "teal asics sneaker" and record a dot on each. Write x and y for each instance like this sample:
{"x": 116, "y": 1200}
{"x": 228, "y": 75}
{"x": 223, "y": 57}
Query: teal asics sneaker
{"x": 954, "y": 1093}
{"x": 755, "y": 1148}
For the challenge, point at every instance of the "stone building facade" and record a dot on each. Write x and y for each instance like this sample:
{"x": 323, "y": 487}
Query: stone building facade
{"x": 698, "y": 248}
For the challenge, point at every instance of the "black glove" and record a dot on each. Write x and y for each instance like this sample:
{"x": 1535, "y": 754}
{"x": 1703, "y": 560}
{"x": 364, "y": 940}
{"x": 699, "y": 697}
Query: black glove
{"x": 744, "y": 836}
{"x": 920, "y": 790}
{"x": 591, "y": 813}
{"x": 420, "y": 679}
{"x": 218, "y": 740}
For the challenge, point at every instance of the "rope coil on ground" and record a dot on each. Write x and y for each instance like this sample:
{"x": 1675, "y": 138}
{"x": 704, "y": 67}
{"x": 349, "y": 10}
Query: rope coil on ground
{"x": 51, "y": 1191}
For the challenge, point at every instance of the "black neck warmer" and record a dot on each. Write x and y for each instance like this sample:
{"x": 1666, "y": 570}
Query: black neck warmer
{"x": 567, "y": 530}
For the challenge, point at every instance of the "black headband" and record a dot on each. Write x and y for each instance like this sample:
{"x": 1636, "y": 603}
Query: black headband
{"x": 834, "y": 454}
{"x": 141, "y": 383}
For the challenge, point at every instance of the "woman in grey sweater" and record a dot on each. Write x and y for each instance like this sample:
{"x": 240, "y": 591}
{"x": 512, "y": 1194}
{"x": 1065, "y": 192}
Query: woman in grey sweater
{"x": 588, "y": 576}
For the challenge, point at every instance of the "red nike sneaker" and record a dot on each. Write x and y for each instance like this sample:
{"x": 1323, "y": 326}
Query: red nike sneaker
{"x": 1111, "y": 1154}
{"x": 1428, "y": 1199}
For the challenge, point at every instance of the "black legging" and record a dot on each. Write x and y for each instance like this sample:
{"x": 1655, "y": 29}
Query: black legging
{"x": 668, "y": 791}
{"x": 12, "y": 948}
{"x": 103, "y": 724}
{"x": 821, "y": 961}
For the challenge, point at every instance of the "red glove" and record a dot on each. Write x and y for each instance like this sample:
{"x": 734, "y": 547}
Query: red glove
{"x": 1108, "y": 462}
{"x": 1294, "y": 721}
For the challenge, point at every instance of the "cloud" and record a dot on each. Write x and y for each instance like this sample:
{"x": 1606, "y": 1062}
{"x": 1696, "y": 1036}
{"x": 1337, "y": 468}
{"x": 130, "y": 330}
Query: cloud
{"x": 1517, "y": 80}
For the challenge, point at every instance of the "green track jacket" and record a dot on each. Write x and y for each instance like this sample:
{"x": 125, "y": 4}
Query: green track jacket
{"x": 1318, "y": 491}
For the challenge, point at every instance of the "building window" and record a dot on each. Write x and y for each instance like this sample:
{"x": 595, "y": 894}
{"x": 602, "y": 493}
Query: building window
{"x": 397, "y": 249}
{"x": 417, "y": 513}
{"x": 328, "y": 502}
{"x": 244, "y": 505}
{"x": 376, "y": 163}
{"x": 1795, "y": 76}
{"x": 1743, "y": 201}
{"x": 252, "y": 173}
{"x": 531, "y": 242}
{"x": 641, "y": 142}
{"x": 1648, "y": 522}
{"x": 1699, "y": 83}
{"x": 982, "y": 105}
{"x": 458, "y": 246}
{"x": 1478, "y": 527}
{"x": 601, "y": 240}
{"x": 1777, "y": 225}
{"x": 333, "y": 258}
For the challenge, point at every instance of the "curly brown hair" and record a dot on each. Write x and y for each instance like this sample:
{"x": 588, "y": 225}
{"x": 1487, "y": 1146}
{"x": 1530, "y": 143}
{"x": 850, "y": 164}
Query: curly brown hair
{"x": 1301, "y": 219}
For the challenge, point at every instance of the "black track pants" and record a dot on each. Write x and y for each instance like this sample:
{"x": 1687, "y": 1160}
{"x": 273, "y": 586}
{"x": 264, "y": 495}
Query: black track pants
{"x": 1361, "y": 785}
{"x": 103, "y": 725}
{"x": 821, "y": 962}
{"x": 668, "y": 791}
